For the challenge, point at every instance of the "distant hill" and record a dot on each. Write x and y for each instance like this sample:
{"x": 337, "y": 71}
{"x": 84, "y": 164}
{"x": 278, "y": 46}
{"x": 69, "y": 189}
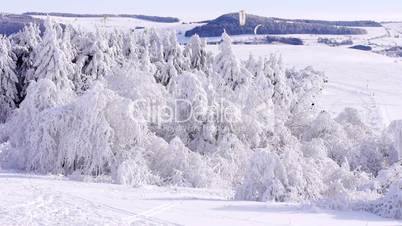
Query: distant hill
{"x": 142, "y": 17}
{"x": 230, "y": 23}
{"x": 12, "y": 23}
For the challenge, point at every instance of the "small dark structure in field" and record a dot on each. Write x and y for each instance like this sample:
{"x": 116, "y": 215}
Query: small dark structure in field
{"x": 362, "y": 47}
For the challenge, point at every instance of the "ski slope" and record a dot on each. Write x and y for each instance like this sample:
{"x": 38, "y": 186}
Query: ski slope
{"x": 52, "y": 200}
{"x": 364, "y": 80}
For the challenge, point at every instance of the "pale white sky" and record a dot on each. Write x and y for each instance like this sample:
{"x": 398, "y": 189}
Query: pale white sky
{"x": 207, "y": 9}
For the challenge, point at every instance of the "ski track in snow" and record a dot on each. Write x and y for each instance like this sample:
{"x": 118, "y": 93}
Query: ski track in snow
{"x": 50, "y": 200}
{"x": 44, "y": 204}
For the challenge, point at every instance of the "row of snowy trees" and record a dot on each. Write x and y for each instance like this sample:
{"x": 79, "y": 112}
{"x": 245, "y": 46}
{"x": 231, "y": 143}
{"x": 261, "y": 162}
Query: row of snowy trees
{"x": 93, "y": 104}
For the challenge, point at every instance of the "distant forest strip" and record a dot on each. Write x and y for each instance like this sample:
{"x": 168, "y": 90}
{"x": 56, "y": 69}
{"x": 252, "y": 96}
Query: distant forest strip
{"x": 13, "y": 23}
{"x": 356, "y": 23}
{"x": 142, "y": 17}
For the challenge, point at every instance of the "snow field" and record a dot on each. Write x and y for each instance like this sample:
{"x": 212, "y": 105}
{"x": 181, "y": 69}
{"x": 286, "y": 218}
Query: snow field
{"x": 52, "y": 200}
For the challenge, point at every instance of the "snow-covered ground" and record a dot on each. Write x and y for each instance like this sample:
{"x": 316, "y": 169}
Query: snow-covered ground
{"x": 367, "y": 81}
{"x": 109, "y": 22}
{"x": 51, "y": 200}
{"x": 393, "y": 36}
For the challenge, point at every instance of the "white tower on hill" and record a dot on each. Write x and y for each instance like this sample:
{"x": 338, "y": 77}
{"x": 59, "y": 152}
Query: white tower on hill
{"x": 242, "y": 17}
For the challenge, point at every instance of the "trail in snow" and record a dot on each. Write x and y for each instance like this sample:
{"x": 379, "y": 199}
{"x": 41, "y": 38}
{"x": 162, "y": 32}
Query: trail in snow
{"x": 50, "y": 200}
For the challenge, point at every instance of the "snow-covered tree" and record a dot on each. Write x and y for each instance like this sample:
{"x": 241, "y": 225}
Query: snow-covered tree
{"x": 140, "y": 87}
{"x": 282, "y": 95}
{"x": 266, "y": 178}
{"x": 165, "y": 71}
{"x": 172, "y": 50}
{"x": 175, "y": 164}
{"x": 393, "y": 135}
{"x": 8, "y": 80}
{"x": 230, "y": 76}
{"x": 24, "y": 43}
{"x": 389, "y": 175}
{"x": 93, "y": 59}
{"x": 130, "y": 49}
{"x": 149, "y": 112}
{"x": 306, "y": 85}
{"x": 25, "y": 129}
{"x": 196, "y": 51}
{"x": 142, "y": 48}
{"x": 29, "y": 37}
{"x": 135, "y": 171}
{"x": 229, "y": 159}
{"x": 116, "y": 46}
{"x": 65, "y": 43}
{"x": 59, "y": 135}
{"x": 51, "y": 59}
{"x": 391, "y": 204}
{"x": 155, "y": 47}
{"x": 166, "y": 54}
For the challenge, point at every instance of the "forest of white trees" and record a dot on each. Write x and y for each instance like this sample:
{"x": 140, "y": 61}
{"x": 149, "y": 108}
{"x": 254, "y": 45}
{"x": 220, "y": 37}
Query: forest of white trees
{"x": 138, "y": 108}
